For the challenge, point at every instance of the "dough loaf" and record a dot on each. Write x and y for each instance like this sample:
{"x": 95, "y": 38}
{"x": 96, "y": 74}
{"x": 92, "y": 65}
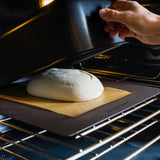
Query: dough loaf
{"x": 65, "y": 85}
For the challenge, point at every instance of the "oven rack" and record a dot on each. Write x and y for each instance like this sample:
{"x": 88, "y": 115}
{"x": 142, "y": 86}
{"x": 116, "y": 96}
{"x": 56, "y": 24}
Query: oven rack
{"x": 22, "y": 141}
{"x": 116, "y": 76}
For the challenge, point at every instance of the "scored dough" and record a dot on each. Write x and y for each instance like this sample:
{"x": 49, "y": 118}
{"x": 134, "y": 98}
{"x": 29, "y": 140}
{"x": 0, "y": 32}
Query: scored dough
{"x": 65, "y": 85}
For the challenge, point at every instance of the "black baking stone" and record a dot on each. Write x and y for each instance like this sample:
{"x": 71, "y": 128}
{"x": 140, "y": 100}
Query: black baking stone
{"x": 70, "y": 126}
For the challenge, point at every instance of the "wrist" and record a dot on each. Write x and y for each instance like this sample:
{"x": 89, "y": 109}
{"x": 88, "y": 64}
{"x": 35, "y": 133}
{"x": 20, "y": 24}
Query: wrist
{"x": 154, "y": 30}
{"x": 156, "y": 26}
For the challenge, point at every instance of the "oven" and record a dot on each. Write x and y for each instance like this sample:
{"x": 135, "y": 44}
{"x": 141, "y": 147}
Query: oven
{"x": 132, "y": 133}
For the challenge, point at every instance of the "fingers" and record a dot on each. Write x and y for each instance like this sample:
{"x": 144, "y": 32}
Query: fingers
{"x": 110, "y": 15}
{"x": 114, "y": 32}
{"x": 107, "y": 29}
{"x": 124, "y": 33}
{"x": 119, "y": 11}
{"x": 118, "y": 17}
{"x": 119, "y": 29}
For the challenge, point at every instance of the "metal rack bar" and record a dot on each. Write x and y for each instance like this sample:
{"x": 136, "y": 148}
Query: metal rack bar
{"x": 39, "y": 135}
{"x": 143, "y": 148}
{"x": 26, "y": 148}
{"x": 122, "y": 75}
{"x": 153, "y": 82}
{"x": 24, "y": 141}
{"x": 114, "y": 119}
{"x": 122, "y": 141}
{"x": 110, "y": 138}
{"x": 17, "y": 155}
{"x": 5, "y": 119}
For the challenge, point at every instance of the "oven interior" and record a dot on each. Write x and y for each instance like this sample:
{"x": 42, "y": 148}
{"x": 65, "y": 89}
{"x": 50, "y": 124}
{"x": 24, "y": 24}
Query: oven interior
{"x": 132, "y": 134}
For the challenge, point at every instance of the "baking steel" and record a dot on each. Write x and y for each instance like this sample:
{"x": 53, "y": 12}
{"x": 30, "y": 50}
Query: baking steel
{"x": 69, "y": 126}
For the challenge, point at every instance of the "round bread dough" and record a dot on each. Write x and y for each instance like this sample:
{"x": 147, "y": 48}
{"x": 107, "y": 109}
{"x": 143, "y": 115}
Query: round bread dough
{"x": 65, "y": 85}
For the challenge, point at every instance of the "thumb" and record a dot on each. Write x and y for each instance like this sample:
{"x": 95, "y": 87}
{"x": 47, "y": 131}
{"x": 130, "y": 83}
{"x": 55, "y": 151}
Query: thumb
{"x": 111, "y": 15}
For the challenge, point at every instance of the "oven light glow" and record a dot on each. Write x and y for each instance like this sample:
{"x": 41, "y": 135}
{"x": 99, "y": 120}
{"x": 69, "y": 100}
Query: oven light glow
{"x": 43, "y": 3}
{"x": 19, "y": 26}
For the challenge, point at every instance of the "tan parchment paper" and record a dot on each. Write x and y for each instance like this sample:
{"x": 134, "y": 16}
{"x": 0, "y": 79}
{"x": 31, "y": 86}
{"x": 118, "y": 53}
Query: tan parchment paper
{"x": 72, "y": 109}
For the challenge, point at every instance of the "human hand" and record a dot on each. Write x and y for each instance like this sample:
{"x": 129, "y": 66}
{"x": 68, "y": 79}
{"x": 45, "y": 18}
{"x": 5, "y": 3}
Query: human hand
{"x": 130, "y": 19}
